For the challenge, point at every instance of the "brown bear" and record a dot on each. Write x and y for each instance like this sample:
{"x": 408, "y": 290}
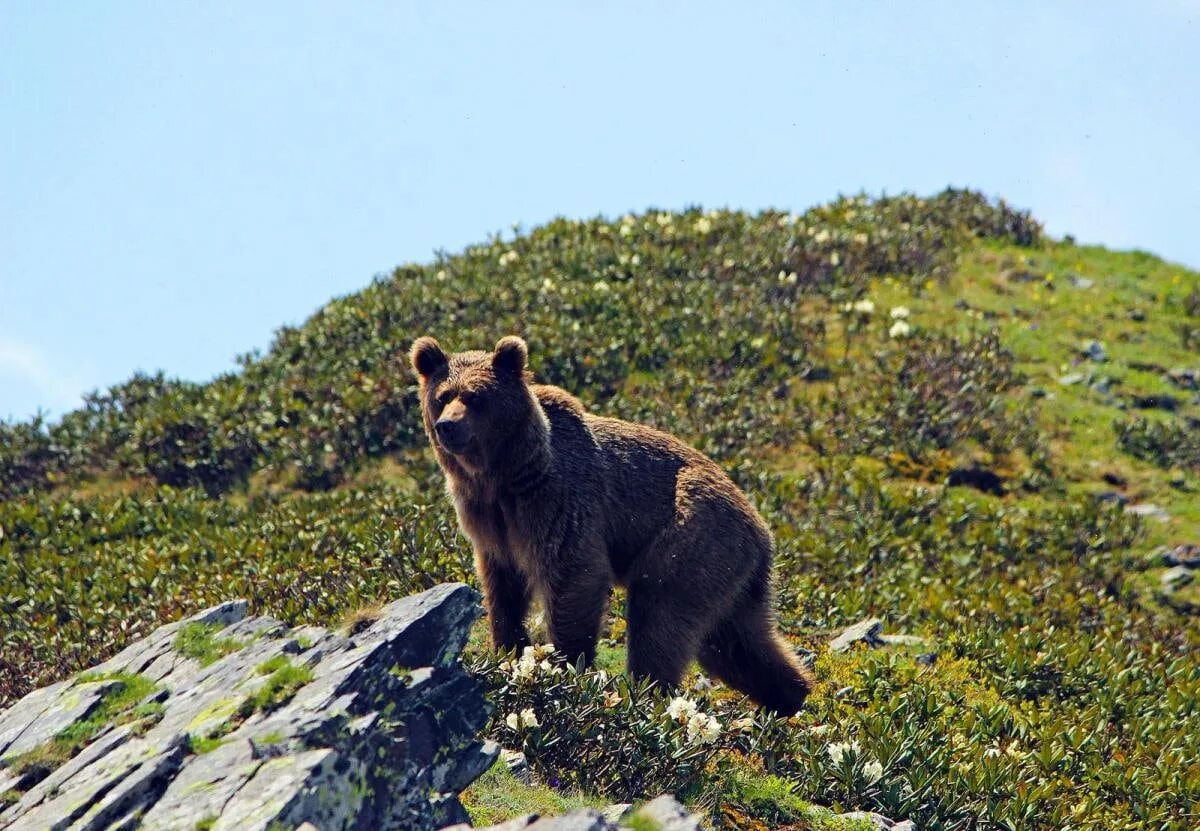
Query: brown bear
{"x": 561, "y": 505}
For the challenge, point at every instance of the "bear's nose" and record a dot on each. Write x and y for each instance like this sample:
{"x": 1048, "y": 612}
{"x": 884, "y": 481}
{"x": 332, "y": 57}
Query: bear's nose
{"x": 450, "y": 432}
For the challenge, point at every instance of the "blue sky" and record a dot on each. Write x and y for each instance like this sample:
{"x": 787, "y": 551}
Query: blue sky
{"x": 179, "y": 179}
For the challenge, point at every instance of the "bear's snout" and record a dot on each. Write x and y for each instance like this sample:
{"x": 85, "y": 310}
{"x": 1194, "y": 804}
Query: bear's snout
{"x": 452, "y": 433}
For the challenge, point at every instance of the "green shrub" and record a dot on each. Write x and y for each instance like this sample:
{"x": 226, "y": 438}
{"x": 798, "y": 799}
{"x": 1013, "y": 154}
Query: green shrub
{"x": 1167, "y": 444}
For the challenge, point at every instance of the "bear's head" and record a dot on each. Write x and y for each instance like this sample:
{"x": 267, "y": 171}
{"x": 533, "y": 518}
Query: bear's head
{"x": 477, "y": 405}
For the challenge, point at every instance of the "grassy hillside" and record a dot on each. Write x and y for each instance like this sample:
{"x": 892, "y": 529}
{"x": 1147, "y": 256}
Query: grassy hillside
{"x": 943, "y": 415}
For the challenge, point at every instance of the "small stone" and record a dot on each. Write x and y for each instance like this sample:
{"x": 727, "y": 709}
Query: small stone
{"x": 669, "y": 814}
{"x": 518, "y": 765}
{"x": 1188, "y": 379}
{"x": 865, "y": 631}
{"x": 1148, "y": 510}
{"x": 1081, "y": 282}
{"x": 1186, "y": 555}
{"x": 1175, "y": 577}
{"x": 878, "y": 821}
{"x": 1137, "y": 315}
{"x": 927, "y": 659}
{"x": 906, "y": 825}
{"x": 614, "y": 813}
{"x": 808, "y": 658}
{"x": 1112, "y": 497}
{"x": 902, "y": 640}
{"x": 1094, "y": 351}
{"x": 1072, "y": 379}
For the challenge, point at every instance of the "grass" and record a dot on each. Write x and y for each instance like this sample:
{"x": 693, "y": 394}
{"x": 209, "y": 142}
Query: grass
{"x": 283, "y": 680}
{"x": 498, "y": 795}
{"x": 199, "y": 641}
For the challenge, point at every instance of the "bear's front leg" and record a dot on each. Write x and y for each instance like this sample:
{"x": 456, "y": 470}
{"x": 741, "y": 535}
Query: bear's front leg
{"x": 506, "y": 598}
{"x": 578, "y": 597}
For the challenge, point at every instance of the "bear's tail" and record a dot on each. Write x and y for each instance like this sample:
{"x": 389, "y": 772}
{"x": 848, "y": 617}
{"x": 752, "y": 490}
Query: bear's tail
{"x": 748, "y": 654}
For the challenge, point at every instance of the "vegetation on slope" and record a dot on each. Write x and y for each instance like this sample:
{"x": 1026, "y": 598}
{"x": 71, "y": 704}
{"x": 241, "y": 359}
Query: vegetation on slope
{"x": 844, "y": 365}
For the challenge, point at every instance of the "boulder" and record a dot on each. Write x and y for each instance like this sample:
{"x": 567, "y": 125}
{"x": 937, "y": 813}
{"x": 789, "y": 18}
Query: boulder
{"x": 373, "y": 730}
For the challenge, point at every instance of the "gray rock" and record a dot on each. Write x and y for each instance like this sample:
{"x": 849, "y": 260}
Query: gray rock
{"x": 1187, "y": 556}
{"x": 518, "y": 765}
{"x": 669, "y": 814}
{"x": 1072, "y": 379}
{"x": 1175, "y": 577}
{"x": 808, "y": 658}
{"x": 381, "y": 736}
{"x": 878, "y": 821}
{"x": 865, "y": 631}
{"x": 1188, "y": 379}
{"x": 906, "y": 825}
{"x": 614, "y": 812}
{"x": 1081, "y": 282}
{"x": 1094, "y": 351}
{"x": 73, "y": 703}
{"x": 902, "y": 640}
{"x": 1148, "y": 510}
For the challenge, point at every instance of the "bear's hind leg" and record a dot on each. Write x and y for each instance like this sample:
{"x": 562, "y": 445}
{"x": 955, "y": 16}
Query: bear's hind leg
{"x": 748, "y": 654}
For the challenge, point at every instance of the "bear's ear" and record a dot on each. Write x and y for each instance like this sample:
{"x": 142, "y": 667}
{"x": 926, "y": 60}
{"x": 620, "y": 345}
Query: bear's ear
{"x": 509, "y": 357}
{"x": 427, "y": 356}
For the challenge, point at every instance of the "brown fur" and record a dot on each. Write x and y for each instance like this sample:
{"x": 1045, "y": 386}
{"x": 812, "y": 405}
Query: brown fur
{"x": 561, "y": 505}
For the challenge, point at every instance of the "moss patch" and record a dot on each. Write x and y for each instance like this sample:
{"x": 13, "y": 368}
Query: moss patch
{"x": 200, "y": 641}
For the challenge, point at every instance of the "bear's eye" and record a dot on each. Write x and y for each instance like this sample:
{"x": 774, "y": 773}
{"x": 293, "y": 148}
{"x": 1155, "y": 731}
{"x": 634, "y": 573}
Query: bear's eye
{"x": 444, "y": 399}
{"x": 473, "y": 400}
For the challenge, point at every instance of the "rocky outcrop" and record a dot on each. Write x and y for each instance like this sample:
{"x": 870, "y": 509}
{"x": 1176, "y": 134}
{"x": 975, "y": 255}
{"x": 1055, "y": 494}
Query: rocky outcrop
{"x": 224, "y": 721}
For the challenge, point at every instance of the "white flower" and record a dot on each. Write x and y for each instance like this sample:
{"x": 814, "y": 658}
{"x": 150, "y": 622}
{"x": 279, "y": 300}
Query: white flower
{"x": 818, "y": 729}
{"x": 525, "y": 668}
{"x": 612, "y": 698}
{"x": 602, "y": 675}
{"x": 636, "y": 259}
{"x": 513, "y": 721}
{"x": 834, "y": 259}
{"x": 788, "y": 278}
{"x": 547, "y": 284}
{"x": 703, "y": 225}
{"x": 664, "y": 219}
{"x": 703, "y": 729}
{"x": 861, "y": 239}
{"x": 873, "y": 771}
{"x": 626, "y": 230}
{"x": 600, "y": 286}
{"x": 900, "y": 329}
{"x": 681, "y": 708}
{"x": 509, "y": 257}
{"x": 864, "y": 306}
{"x": 837, "y": 750}
{"x": 541, "y": 650}
{"x": 441, "y": 275}
{"x": 821, "y": 236}
{"x": 742, "y": 724}
{"x": 899, "y": 312}
{"x": 529, "y": 718}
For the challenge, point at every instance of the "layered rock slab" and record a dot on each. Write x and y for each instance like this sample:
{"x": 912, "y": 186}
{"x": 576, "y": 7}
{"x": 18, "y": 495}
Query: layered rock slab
{"x": 374, "y": 729}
